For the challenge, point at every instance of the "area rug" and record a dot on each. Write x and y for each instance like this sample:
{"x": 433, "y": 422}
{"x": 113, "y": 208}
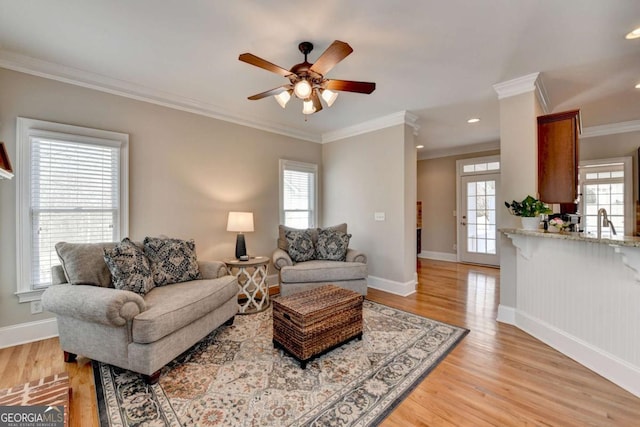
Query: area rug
{"x": 235, "y": 377}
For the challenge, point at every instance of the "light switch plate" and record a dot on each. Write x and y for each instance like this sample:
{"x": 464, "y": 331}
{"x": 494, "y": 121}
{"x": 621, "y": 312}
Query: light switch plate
{"x": 378, "y": 216}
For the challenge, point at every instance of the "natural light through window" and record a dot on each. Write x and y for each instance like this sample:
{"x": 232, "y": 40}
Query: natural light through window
{"x": 298, "y": 188}
{"x": 481, "y": 217}
{"x": 603, "y": 186}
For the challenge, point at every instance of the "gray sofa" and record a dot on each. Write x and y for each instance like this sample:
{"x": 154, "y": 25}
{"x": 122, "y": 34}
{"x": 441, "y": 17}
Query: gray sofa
{"x": 140, "y": 333}
{"x": 296, "y": 277}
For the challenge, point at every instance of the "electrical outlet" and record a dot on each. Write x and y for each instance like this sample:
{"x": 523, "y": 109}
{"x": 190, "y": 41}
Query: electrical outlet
{"x": 36, "y": 307}
{"x": 455, "y": 247}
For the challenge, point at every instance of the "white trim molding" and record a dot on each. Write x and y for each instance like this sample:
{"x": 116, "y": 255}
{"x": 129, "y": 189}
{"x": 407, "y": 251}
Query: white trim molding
{"x": 456, "y": 151}
{"x": 439, "y": 256}
{"x": 519, "y": 85}
{"x": 28, "y": 332}
{"x": 399, "y": 118}
{"x": 74, "y": 76}
{"x": 506, "y": 315}
{"x": 610, "y": 129}
{"x": 608, "y": 365}
{"x": 391, "y": 286}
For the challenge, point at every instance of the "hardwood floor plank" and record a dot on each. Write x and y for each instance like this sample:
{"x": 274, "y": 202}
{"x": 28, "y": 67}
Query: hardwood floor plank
{"x": 497, "y": 376}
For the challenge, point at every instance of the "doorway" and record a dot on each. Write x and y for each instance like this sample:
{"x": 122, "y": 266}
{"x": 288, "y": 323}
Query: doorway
{"x": 478, "y": 190}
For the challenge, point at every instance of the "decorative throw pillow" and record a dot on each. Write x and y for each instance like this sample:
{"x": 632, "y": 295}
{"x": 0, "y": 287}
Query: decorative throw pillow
{"x": 83, "y": 263}
{"x": 300, "y": 245}
{"x": 129, "y": 267}
{"x": 332, "y": 245}
{"x": 172, "y": 260}
{"x": 282, "y": 240}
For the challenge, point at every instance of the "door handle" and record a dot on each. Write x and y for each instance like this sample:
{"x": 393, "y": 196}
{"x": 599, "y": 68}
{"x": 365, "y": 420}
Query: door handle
{"x": 463, "y": 223}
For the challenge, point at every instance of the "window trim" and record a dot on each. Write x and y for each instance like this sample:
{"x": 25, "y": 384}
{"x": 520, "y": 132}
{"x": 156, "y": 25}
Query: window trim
{"x": 629, "y": 204}
{"x": 28, "y": 129}
{"x": 302, "y": 167}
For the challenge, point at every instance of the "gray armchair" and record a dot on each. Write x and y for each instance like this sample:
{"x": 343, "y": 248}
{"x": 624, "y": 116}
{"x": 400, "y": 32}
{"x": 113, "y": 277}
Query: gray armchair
{"x": 300, "y": 276}
{"x": 139, "y": 333}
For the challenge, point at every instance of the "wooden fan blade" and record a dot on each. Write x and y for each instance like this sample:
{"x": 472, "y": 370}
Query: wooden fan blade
{"x": 316, "y": 101}
{"x": 350, "y": 86}
{"x": 262, "y": 63}
{"x": 330, "y": 57}
{"x": 271, "y": 92}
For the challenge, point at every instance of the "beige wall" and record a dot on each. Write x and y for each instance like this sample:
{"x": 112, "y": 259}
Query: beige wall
{"x": 365, "y": 174}
{"x": 186, "y": 171}
{"x": 518, "y": 176}
{"x": 437, "y": 191}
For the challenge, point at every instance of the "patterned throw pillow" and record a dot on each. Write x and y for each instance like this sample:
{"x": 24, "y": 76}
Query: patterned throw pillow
{"x": 332, "y": 245}
{"x": 130, "y": 269}
{"x": 172, "y": 260}
{"x": 300, "y": 245}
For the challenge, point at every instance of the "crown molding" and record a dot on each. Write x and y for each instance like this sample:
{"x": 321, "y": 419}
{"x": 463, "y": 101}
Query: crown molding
{"x": 399, "y": 118}
{"x": 457, "y": 151}
{"x": 529, "y": 83}
{"x": 610, "y": 129}
{"x": 61, "y": 73}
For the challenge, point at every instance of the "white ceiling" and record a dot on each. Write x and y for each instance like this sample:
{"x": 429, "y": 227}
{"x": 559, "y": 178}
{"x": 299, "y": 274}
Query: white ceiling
{"x": 436, "y": 59}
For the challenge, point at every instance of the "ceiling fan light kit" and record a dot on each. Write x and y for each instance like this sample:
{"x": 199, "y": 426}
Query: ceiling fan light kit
{"x": 307, "y": 81}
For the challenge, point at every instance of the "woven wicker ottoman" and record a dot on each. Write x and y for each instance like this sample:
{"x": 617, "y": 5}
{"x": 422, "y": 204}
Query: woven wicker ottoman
{"x": 309, "y": 323}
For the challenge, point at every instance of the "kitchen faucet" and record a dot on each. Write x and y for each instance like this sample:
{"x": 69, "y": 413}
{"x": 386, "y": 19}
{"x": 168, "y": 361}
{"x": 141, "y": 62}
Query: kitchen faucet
{"x": 602, "y": 212}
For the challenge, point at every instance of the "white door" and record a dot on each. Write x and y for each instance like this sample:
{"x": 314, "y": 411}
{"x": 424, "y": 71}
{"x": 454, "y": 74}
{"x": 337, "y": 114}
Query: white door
{"x": 477, "y": 232}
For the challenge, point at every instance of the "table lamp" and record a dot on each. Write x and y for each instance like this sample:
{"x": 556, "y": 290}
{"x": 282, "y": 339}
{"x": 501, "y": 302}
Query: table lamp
{"x": 240, "y": 222}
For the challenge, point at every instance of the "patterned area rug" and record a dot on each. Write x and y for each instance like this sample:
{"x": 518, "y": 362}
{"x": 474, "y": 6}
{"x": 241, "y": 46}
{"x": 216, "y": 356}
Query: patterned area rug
{"x": 234, "y": 377}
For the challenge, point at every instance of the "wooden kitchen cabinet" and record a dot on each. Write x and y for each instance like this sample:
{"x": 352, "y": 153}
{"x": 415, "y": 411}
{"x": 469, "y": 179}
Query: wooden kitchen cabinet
{"x": 558, "y": 157}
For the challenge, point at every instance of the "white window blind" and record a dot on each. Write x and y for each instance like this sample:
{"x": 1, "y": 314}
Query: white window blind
{"x": 74, "y": 198}
{"x": 298, "y": 194}
{"x": 72, "y": 186}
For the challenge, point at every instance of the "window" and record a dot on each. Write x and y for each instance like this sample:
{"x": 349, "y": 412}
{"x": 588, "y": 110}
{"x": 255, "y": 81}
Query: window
{"x": 605, "y": 184}
{"x": 72, "y": 186}
{"x": 298, "y": 189}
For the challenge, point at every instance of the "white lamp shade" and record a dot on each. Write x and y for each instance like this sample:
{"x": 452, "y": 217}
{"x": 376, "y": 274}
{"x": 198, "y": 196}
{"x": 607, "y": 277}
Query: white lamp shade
{"x": 308, "y": 108}
{"x": 329, "y": 96}
{"x": 240, "y": 222}
{"x": 302, "y": 89}
{"x": 283, "y": 98}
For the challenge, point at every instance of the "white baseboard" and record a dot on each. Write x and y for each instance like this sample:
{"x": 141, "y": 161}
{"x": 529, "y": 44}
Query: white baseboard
{"x": 609, "y": 366}
{"x": 28, "y": 332}
{"x": 439, "y": 256}
{"x": 506, "y": 314}
{"x": 393, "y": 287}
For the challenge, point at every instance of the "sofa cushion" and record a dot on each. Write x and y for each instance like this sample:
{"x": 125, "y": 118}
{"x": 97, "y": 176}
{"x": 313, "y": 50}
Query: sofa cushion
{"x": 282, "y": 240}
{"x": 129, "y": 267}
{"x": 332, "y": 245}
{"x": 83, "y": 263}
{"x": 323, "y": 271}
{"x": 172, "y": 307}
{"x": 301, "y": 247}
{"x": 172, "y": 260}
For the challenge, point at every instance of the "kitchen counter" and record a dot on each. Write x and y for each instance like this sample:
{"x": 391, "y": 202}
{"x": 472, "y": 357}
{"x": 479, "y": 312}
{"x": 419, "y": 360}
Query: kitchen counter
{"x": 580, "y": 295}
{"x": 619, "y": 240}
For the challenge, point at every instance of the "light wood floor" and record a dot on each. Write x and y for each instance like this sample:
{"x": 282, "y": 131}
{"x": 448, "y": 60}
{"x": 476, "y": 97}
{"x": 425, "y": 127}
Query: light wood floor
{"x": 497, "y": 376}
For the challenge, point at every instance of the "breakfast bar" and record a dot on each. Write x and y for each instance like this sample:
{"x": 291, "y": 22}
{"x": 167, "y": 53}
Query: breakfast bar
{"x": 581, "y": 295}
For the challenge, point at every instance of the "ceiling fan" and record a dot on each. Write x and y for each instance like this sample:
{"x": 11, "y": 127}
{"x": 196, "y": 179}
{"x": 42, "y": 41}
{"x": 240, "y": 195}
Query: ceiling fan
{"x": 307, "y": 81}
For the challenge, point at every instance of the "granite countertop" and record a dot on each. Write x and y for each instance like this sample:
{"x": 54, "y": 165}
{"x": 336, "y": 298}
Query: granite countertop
{"x": 619, "y": 240}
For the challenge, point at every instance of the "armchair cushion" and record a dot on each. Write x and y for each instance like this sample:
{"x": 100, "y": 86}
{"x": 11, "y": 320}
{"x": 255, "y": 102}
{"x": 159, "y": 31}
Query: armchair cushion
{"x": 172, "y": 260}
{"x": 332, "y": 245}
{"x": 129, "y": 267}
{"x": 301, "y": 247}
{"x": 323, "y": 271}
{"x": 83, "y": 263}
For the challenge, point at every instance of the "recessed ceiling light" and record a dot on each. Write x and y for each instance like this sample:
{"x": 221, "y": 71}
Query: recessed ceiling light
{"x": 473, "y": 120}
{"x": 419, "y": 146}
{"x": 635, "y": 34}
{"x": 638, "y": 86}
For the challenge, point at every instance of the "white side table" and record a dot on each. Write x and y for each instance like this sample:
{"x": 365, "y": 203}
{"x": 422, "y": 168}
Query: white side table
{"x": 253, "y": 291}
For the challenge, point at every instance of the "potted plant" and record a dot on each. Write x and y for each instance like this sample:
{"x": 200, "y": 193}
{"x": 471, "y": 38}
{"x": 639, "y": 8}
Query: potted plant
{"x": 529, "y": 210}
